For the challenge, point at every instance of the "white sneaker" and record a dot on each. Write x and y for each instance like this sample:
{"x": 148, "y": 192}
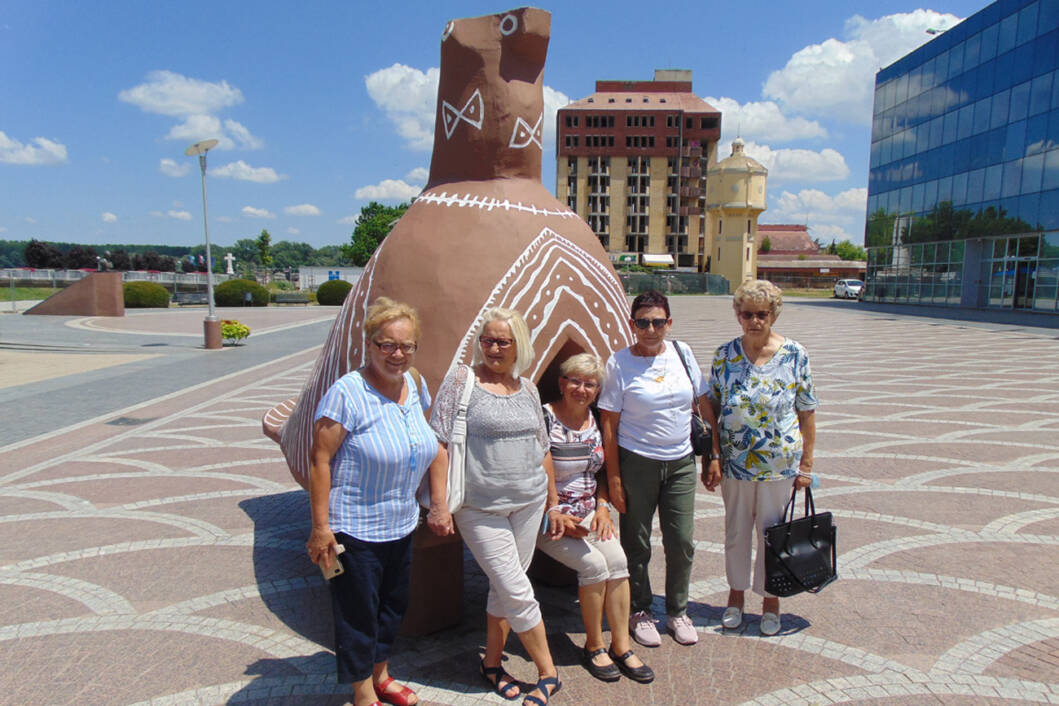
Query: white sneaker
{"x": 770, "y": 624}
{"x": 732, "y": 618}
{"x": 643, "y": 629}
{"x": 683, "y": 631}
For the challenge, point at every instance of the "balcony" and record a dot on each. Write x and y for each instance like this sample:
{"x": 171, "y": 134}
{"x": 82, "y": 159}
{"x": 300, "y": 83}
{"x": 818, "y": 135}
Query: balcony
{"x": 691, "y": 152}
{"x": 690, "y": 211}
{"x": 691, "y": 172}
{"x": 690, "y": 192}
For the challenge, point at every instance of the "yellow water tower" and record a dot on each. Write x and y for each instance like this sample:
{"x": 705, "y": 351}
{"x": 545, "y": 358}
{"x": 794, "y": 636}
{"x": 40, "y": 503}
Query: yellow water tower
{"x": 735, "y": 197}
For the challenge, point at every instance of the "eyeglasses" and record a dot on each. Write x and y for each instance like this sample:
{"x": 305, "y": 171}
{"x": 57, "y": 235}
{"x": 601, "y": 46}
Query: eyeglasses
{"x": 389, "y": 347}
{"x": 589, "y": 385}
{"x": 488, "y": 342}
{"x": 644, "y": 324}
{"x": 759, "y": 315}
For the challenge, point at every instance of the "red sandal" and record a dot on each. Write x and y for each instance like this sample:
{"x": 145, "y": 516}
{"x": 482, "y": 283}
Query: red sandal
{"x": 401, "y": 697}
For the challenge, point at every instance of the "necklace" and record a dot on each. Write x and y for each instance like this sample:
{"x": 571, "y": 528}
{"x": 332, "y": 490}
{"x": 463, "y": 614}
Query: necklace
{"x": 665, "y": 368}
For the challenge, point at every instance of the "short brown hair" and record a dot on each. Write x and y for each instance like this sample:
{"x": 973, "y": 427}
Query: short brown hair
{"x": 384, "y": 310}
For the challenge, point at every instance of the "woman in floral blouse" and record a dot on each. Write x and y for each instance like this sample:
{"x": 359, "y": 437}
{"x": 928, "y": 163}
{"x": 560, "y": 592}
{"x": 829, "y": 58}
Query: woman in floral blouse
{"x": 762, "y": 392}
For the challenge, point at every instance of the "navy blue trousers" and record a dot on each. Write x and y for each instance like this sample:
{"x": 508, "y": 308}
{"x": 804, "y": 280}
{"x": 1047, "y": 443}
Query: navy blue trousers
{"x": 368, "y": 601}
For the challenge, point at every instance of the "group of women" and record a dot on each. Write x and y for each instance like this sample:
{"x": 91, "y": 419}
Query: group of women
{"x": 531, "y": 482}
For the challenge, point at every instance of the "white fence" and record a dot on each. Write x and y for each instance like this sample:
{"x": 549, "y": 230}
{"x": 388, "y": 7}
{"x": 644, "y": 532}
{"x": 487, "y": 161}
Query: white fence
{"x": 53, "y": 278}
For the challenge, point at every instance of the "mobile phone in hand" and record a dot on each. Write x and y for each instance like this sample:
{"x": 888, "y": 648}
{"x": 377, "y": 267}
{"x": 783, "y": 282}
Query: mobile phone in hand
{"x": 336, "y": 565}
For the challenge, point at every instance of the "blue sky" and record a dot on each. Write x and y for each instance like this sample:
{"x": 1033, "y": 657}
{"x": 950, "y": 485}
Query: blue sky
{"x": 326, "y": 105}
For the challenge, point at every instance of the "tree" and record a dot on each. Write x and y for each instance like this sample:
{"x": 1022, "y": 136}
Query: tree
{"x": 766, "y": 246}
{"x": 848, "y": 250}
{"x": 293, "y": 255}
{"x": 80, "y": 256}
{"x": 328, "y": 255}
{"x": 264, "y": 248}
{"x": 121, "y": 260}
{"x": 43, "y": 255}
{"x": 373, "y": 225}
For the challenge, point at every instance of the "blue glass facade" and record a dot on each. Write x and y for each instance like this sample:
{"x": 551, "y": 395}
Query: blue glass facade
{"x": 965, "y": 134}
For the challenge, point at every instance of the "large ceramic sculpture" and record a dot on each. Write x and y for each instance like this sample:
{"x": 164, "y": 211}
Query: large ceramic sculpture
{"x": 483, "y": 233}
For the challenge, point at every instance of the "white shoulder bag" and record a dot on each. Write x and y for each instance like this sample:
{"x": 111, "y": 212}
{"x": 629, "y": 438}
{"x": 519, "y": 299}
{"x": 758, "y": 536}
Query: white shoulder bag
{"x": 457, "y": 453}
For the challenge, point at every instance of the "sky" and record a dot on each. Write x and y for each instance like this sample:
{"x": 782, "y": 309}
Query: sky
{"x": 321, "y": 107}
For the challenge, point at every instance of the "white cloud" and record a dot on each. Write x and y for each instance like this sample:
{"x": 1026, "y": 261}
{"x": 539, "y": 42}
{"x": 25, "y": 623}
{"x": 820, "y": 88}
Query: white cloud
{"x": 763, "y": 120}
{"x": 836, "y": 78}
{"x": 347, "y": 220}
{"x": 173, "y": 168}
{"x": 293, "y": 231}
{"x": 229, "y": 135}
{"x": 225, "y": 219}
{"x": 109, "y": 217}
{"x": 305, "y": 209}
{"x": 795, "y": 164}
{"x": 419, "y": 175}
{"x": 178, "y": 215}
{"x": 388, "y": 190}
{"x": 40, "y": 151}
{"x": 839, "y": 217}
{"x": 30, "y": 219}
{"x": 242, "y": 136}
{"x": 244, "y": 172}
{"x": 169, "y": 93}
{"x": 409, "y": 98}
{"x": 257, "y": 212}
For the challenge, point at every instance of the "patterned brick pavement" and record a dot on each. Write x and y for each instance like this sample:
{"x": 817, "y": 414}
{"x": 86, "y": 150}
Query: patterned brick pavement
{"x": 162, "y": 560}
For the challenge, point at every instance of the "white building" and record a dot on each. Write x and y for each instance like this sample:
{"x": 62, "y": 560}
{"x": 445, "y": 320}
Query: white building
{"x": 309, "y": 278}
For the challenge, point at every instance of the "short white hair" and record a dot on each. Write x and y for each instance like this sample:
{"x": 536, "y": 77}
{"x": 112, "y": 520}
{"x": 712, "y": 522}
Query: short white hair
{"x": 519, "y": 331}
{"x": 759, "y": 291}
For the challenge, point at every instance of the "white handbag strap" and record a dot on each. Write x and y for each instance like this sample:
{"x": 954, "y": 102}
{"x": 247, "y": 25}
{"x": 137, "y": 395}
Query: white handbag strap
{"x": 459, "y": 425}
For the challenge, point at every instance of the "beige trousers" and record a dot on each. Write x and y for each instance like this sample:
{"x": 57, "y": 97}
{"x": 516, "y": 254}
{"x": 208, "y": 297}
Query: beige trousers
{"x": 750, "y": 506}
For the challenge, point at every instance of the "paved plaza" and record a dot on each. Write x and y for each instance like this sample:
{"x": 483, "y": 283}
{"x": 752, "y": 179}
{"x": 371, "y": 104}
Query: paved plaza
{"x": 152, "y": 540}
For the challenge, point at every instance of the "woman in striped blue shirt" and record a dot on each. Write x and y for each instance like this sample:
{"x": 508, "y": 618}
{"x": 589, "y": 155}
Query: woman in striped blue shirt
{"x": 371, "y": 447}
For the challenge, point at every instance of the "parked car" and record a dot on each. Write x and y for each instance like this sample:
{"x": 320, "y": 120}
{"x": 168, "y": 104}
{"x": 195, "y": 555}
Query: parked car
{"x": 849, "y": 288}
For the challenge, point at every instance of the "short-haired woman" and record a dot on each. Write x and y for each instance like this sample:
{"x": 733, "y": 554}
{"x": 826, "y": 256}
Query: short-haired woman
{"x": 371, "y": 447}
{"x": 762, "y": 391}
{"x": 645, "y": 410}
{"x": 508, "y": 483}
{"x": 590, "y": 548}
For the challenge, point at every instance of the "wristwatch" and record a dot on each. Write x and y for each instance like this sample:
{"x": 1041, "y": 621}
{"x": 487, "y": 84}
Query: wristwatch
{"x": 602, "y": 503}
{"x": 714, "y": 456}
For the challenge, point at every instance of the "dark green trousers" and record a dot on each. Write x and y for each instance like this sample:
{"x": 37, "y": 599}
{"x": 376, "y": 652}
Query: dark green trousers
{"x": 668, "y": 486}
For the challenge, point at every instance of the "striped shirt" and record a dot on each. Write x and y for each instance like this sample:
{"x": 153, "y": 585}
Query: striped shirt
{"x": 376, "y": 470}
{"x": 577, "y": 457}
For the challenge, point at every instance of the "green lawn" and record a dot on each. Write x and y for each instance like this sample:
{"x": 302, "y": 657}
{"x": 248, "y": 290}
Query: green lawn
{"x": 814, "y": 293}
{"x": 25, "y": 293}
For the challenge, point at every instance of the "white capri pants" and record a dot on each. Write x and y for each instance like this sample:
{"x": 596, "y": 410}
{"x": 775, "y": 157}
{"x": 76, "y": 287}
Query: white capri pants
{"x": 593, "y": 560}
{"x": 750, "y": 505}
{"x": 502, "y": 544}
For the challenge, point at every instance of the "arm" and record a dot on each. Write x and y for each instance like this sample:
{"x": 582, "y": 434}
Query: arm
{"x": 807, "y": 425}
{"x": 603, "y": 524}
{"x": 439, "y": 519}
{"x": 711, "y": 467}
{"x": 328, "y": 436}
{"x": 609, "y": 428}
{"x": 555, "y": 517}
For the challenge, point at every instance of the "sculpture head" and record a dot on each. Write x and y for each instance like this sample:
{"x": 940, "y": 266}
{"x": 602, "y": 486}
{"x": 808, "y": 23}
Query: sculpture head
{"x": 490, "y": 115}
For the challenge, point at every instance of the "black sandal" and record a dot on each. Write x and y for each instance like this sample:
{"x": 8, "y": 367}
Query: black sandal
{"x": 608, "y": 672}
{"x": 542, "y": 686}
{"x": 642, "y": 674}
{"x": 493, "y": 675}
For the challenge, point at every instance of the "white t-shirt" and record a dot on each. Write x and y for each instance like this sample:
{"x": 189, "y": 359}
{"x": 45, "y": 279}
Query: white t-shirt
{"x": 654, "y": 397}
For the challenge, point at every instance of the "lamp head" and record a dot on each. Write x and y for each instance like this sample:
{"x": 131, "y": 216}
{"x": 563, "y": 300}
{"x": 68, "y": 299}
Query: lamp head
{"x": 200, "y": 147}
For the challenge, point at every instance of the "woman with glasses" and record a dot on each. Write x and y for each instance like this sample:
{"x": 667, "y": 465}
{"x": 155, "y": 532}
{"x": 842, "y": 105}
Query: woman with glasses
{"x": 645, "y": 411}
{"x": 508, "y": 484}
{"x": 589, "y": 544}
{"x": 371, "y": 447}
{"x": 762, "y": 392}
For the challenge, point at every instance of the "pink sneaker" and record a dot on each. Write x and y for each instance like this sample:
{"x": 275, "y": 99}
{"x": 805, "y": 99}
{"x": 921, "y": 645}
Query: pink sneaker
{"x": 683, "y": 630}
{"x": 642, "y": 627}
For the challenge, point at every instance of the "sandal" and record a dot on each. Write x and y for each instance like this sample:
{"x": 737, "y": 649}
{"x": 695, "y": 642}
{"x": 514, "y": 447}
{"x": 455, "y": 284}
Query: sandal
{"x": 493, "y": 675}
{"x": 401, "y": 697}
{"x": 542, "y": 686}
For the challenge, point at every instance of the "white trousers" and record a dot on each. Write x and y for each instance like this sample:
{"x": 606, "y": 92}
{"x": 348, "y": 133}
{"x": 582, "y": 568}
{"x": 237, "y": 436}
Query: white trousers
{"x": 502, "y": 544}
{"x": 593, "y": 560}
{"x": 750, "y": 506}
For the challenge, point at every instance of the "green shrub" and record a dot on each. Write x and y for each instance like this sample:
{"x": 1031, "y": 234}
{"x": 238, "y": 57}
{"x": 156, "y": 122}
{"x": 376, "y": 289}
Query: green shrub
{"x": 232, "y": 331}
{"x": 333, "y": 292}
{"x": 232, "y": 293}
{"x": 145, "y": 295}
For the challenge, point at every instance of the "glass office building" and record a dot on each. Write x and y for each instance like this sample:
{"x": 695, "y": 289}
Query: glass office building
{"x": 963, "y": 192}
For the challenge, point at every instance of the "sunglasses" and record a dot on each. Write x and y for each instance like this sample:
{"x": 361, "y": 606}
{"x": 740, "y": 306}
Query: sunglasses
{"x": 487, "y": 342}
{"x": 644, "y": 324}
{"x": 589, "y": 385}
{"x": 759, "y": 315}
{"x": 389, "y": 347}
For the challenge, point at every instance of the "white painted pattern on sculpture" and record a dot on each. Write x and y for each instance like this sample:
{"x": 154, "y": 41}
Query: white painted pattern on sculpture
{"x": 523, "y": 135}
{"x": 489, "y": 203}
{"x": 471, "y": 113}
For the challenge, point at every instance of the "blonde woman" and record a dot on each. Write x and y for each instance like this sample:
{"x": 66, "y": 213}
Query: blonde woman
{"x": 762, "y": 391}
{"x": 508, "y": 484}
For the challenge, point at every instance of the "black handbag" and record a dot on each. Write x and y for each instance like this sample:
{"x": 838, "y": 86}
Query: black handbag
{"x": 800, "y": 554}
{"x": 701, "y": 434}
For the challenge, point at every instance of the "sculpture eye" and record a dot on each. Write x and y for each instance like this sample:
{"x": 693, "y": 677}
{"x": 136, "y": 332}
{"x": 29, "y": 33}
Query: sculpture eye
{"x": 508, "y": 25}
{"x": 448, "y": 30}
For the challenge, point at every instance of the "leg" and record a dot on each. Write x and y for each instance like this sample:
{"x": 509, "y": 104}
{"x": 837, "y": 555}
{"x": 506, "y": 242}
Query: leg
{"x": 772, "y": 498}
{"x": 591, "y": 598}
{"x": 355, "y": 607}
{"x": 496, "y": 631}
{"x": 591, "y": 565}
{"x": 738, "y": 498}
{"x": 676, "y": 515}
{"x": 535, "y": 640}
{"x": 640, "y": 478}
{"x": 392, "y": 606}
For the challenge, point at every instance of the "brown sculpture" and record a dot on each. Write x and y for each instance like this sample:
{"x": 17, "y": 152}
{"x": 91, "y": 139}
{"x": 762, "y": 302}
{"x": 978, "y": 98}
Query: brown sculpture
{"x": 483, "y": 233}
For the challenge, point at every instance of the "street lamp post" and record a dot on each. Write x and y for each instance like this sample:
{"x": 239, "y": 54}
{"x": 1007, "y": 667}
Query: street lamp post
{"x": 211, "y": 326}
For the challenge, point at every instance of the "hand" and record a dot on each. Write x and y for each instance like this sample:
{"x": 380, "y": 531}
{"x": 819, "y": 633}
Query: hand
{"x": 801, "y": 481}
{"x": 711, "y": 473}
{"x": 439, "y": 520}
{"x": 556, "y": 524}
{"x": 602, "y": 525}
{"x": 617, "y": 493}
{"x": 572, "y": 527}
{"x": 806, "y": 467}
{"x": 321, "y": 547}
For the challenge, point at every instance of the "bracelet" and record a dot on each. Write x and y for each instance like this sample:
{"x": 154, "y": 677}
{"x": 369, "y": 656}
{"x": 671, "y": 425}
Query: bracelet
{"x": 554, "y": 507}
{"x": 805, "y": 475}
{"x": 602, "y": 503}
{"x": 714, "y": 456}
